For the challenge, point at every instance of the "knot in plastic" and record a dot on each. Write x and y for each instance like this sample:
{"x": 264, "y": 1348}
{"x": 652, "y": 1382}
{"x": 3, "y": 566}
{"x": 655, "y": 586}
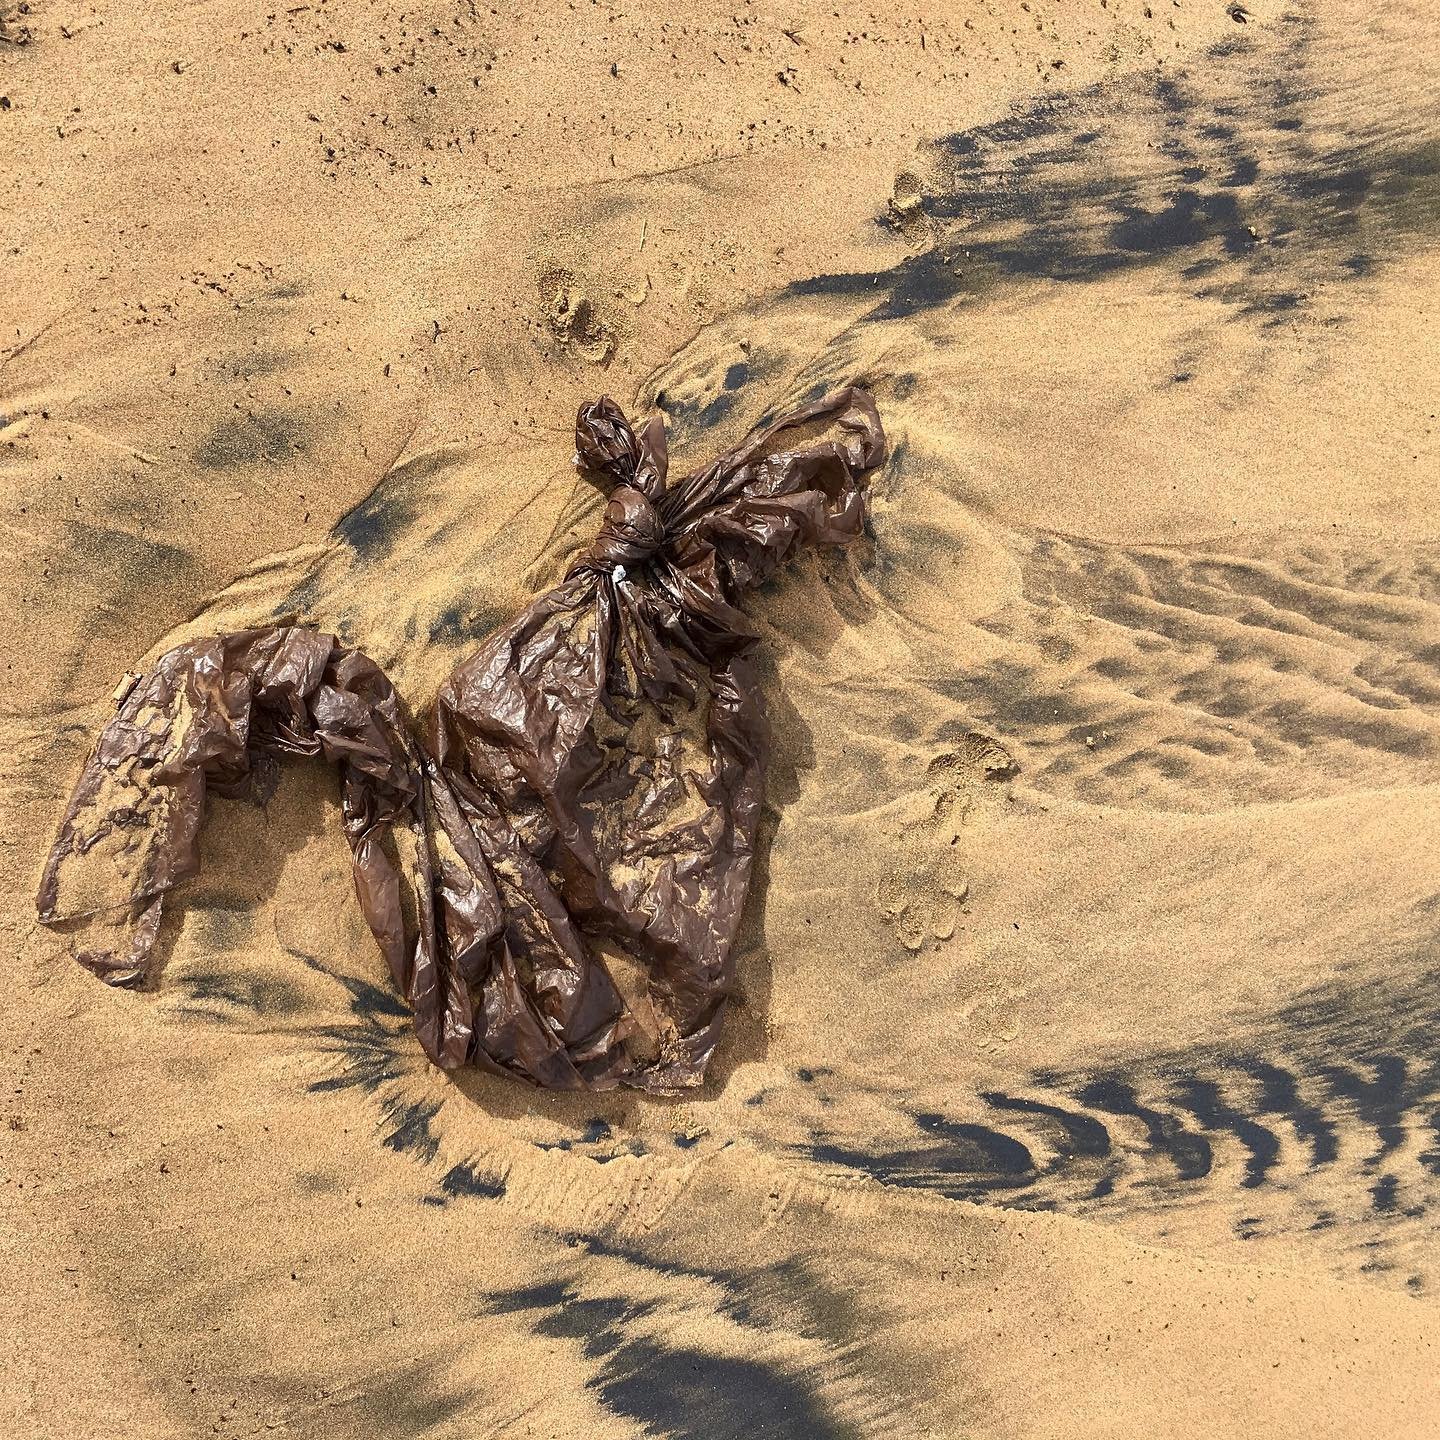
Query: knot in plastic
{"x": 631, "y": 531}
{"x": 610, "y": 453}
{"x": 605, "y": 445}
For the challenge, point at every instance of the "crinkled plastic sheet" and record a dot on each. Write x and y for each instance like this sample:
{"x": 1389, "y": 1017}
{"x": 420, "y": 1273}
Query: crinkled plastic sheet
{"x": 589, "y": 781}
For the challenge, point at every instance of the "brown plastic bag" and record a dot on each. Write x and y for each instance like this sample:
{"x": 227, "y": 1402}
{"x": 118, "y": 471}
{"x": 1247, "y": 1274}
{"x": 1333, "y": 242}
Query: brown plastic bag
{"x": 590, "y": 781}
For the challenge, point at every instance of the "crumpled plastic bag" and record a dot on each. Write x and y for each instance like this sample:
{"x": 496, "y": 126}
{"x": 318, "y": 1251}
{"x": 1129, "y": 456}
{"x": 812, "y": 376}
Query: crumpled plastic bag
{"x": 584, "y": 800}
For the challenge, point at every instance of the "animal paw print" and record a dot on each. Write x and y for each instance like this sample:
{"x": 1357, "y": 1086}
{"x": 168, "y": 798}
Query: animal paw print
{"x": 921, "y": 895}
{"x": 572, "y": 317}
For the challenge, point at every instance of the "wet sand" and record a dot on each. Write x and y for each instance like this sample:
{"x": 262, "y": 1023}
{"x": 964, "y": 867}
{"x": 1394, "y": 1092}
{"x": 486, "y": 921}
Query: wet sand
{"x": 1082, "y": 1079}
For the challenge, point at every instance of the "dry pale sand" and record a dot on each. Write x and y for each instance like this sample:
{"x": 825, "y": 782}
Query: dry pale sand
{"x": 1084, "y": 1080}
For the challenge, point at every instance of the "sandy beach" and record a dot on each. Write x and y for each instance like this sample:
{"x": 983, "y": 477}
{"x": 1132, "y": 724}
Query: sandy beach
{"x": 1081, "y": 1079}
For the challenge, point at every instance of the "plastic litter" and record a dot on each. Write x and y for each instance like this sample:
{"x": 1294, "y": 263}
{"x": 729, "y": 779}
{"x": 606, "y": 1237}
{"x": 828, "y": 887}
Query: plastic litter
{"x": 585, "y": 795}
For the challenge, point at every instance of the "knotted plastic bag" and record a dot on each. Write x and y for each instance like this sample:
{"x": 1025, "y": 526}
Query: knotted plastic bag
{"x": 556, "y": 868}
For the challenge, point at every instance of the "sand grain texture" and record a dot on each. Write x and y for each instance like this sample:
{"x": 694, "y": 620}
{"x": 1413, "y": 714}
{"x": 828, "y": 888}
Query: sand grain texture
{"x": 1082, "y": 1081}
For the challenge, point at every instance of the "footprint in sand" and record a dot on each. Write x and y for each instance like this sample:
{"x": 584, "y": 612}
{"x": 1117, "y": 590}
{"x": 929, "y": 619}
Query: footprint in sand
{"x": 907, "y": 208}
{"x": 921, "y": 893}
{"x": 571, "y": 316}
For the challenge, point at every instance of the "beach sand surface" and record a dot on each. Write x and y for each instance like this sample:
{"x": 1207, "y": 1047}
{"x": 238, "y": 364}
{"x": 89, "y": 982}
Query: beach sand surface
{"x": 1082, "y": 1078}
